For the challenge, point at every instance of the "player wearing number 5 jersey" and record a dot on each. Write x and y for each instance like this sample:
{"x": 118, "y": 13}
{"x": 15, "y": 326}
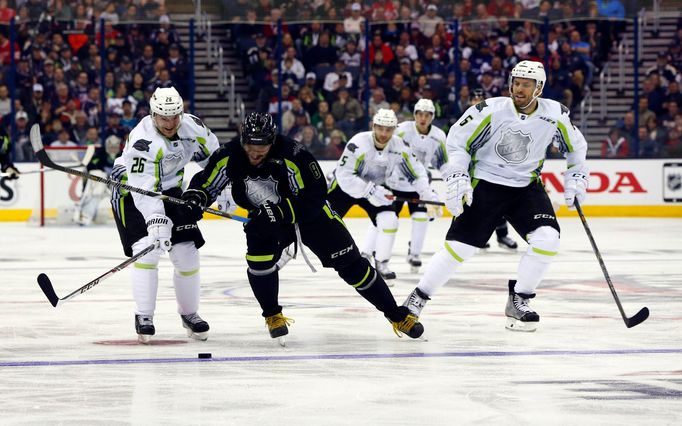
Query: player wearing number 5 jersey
{"x": 154, "y": 158}
{"x": 495, "y": 153}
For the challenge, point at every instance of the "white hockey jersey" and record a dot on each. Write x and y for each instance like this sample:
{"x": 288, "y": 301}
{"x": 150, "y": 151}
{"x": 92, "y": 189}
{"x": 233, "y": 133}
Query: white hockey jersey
{"x": 429, "y": 149}
{"x": 496, "y": 143}
{"x": 155, "y": 163}
{"x": 393, "y": 166}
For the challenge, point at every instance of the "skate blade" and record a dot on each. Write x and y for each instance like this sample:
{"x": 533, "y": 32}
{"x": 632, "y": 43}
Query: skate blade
{"x": 282, "y": 341}
{"x": 515, "y": 325}
{"x": 507, "y": 248}
{"x": 144, "y": 338}
{"x": 203, "y": 336}
{"x": 414, "y": 269}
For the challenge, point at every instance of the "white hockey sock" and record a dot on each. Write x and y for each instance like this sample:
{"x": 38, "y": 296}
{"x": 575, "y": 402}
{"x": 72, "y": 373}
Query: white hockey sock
{"x": 145, "y": 279}
{"x": 443, "y": 264}
{"x": 387, "y": 226}
{"x": 185, "y": 258}
{"x": 420, "y": 222}
{"x": 370, "y": 241}
{"x": 543, "y": 247}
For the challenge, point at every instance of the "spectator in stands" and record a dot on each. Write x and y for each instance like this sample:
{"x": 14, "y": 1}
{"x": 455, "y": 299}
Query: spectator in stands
{"x": 522, "y": 45}
{"x": 354, "y": 24}
{"x": 615, "y": 145}
{"x": 308, "y": 100}
{"x": 6, "y": 12}
{"x": 301, "y": 120}
{"x": 377, "y": 101}
{"x": 664, "y": 70}
{"x": 331, "y": 80}
{"x": 334, "y": 148}
{"x": 379, "y": 45}
{"x": 668, "y": 119}
{"x": 92, "y": 106}
{"x": 429, "y": 21}
{"x": 627, "y": 125}
{"x": 347, "y": 111}
{"x": 308, "y": 137}
{"x": 656, "y": 132}
{"x": 91, "y": 137}
{"x": 296, "y": 67}
{"x": 644, "y": 112}
{"x": 321, "y": 54}
{"x": 673, "y": 145}
{"x": 80, "y": 128}
{"x": 673, "y": 93}
{"x": 654, "y": 93}
{"x": 35, "y": 104}
{"x": 5, "y": 102}
{"x": 21, "y": 137}
{"x": 648, "y": 147}
{"x": 287, "y": 99}
{"x": 409, "y": 48}
{"x": 583, "y": 49}
{"x": 114, "y": 126}
{"x": 289, "y": 117}
{"x": 350, "y": 55}
{"x": 611, "y": 8}
{"x": 128, "y": 118}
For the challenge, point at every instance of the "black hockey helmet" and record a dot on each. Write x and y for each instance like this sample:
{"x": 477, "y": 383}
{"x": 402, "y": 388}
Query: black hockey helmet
{"x": 258, "y": 128}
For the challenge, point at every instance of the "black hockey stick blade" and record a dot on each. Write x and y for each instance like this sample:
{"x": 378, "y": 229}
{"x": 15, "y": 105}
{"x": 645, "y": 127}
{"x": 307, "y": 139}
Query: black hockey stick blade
{"x": 46, "y": 286}
{"x": 637, "y": 318}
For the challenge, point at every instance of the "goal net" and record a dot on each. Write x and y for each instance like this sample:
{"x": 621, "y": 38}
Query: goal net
{"x": 58, "y": 195}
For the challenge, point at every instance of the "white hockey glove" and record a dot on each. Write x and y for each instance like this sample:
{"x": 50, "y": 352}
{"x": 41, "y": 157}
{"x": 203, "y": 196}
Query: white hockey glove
{"x": 460, "y": 191}
{"x": 575, "y": 187}
{"x": 160, "y": 227}
{"x": 225, "y": 201}
{"x": 379, "y": 196}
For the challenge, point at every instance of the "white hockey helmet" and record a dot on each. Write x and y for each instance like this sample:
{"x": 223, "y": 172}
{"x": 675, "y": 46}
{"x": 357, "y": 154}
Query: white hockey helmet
{"x": 532, "y": 70}
{"x": 385, "y": 117}
{"x": 112, "y": 145}
{"x": 166, "y": 101}
{"x": 425, "y": 105}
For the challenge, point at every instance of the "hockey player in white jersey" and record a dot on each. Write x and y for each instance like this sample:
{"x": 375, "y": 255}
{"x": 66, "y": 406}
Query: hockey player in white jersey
{"x": 371, "y": 162}
{"x": 427, "y": 142}
{"x": 88, "y": 209}
{"x": 495, "y": 152}
{"x": 154, "y": 159}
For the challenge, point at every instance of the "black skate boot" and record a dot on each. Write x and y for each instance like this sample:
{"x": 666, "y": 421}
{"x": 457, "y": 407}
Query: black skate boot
{"x": 507, "y": 243}
{"x": 409, "y": 325}
{"x": 277, "y": 326}
{"x": 195, "y": 326}
{"x": 416, "y": 301}
{"x": 520, "y": 317}
{"x": 144, "y": 327}
{"x": 386, "y": 274}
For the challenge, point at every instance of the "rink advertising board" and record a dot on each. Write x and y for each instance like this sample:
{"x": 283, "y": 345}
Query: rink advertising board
{"x": 651, "y": 188}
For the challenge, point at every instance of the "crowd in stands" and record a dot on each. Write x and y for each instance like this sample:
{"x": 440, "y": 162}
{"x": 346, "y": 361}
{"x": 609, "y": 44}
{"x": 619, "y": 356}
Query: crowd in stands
{"x": 411, "y": 55}
{"x": 58, "y": 68}
{"x": 659, "y": 123}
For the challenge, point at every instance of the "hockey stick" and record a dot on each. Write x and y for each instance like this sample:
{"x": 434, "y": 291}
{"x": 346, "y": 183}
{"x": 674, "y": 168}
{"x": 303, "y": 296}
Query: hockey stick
{"x": 418, "y": 201}
{"x": 643, "y": 313}
{"x": 42, "y": 156}
{"x": 87, "y": 157}
{"x": 46, "y": 285}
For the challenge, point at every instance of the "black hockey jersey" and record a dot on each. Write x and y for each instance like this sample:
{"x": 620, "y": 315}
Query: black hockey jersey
{"x": 289, "y": 175}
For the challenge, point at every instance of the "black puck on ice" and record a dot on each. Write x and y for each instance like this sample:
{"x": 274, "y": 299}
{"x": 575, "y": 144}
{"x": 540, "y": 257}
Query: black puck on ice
{"x": 204, "y": 356}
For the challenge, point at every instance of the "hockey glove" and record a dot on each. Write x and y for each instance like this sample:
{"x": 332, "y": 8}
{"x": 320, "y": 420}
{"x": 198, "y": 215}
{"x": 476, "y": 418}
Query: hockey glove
{"x": 196, "y": 202}
{"x": 379, "y": 196}
{"x": 225, "y": 201}
{"x": 160, "y": 228}
{"x": 268, "y": 219}
{"x": 459, "y": 192}
{"x": 12, "y": 172}
{"x": 575, "y": 187}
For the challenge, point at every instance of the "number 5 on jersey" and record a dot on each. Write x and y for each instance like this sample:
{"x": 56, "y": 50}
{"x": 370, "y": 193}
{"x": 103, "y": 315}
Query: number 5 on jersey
{"x": 138, "y": 165}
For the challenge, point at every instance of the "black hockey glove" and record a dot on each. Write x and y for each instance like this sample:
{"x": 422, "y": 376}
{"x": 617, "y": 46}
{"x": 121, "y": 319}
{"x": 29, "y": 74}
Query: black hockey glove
{"x": 267, "y": 219}
{"x": 196, "y": 202}
{"x": 11, "y": 171}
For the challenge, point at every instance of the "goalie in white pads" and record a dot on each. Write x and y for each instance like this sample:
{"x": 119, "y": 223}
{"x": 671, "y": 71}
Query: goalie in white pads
{"x": 372, "y": 162}
{"x": 508, "y": 138}
{"x": 94, "y": 192}
{"x": 427, "y": 142}
{"x": 154, "y": 159}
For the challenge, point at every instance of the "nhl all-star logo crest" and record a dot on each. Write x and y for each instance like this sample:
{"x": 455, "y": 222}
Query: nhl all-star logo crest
{"x": 513, "y": 148}
{"x": 674, "y": 181}
{"x": 260, "y": 190}
{"x": 171, "y": 161}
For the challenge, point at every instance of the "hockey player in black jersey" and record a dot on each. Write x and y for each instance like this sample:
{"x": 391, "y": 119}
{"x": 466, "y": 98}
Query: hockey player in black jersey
{"x": 282, "y": 186}
{"x": 6, "y": 165}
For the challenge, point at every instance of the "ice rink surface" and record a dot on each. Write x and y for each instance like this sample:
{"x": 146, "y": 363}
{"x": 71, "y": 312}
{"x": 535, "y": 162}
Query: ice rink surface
{"x": 80, "y": 364}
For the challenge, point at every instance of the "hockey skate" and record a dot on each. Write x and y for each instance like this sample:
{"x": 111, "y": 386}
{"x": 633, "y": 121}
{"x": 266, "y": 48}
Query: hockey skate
{"x": 415, "y": 263}
{"x": 416, "y": 301}
{"x": 144, "y": 327}
{"x": 520, "y": 317}
{"x": 382, "y": 268}
{"x": 370, "y": 258}
{"x": 195, "y": 326}
{"x": 507, "y": 243}
{"x": 277, "y": 326}
{"x": 410, "y": 325}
